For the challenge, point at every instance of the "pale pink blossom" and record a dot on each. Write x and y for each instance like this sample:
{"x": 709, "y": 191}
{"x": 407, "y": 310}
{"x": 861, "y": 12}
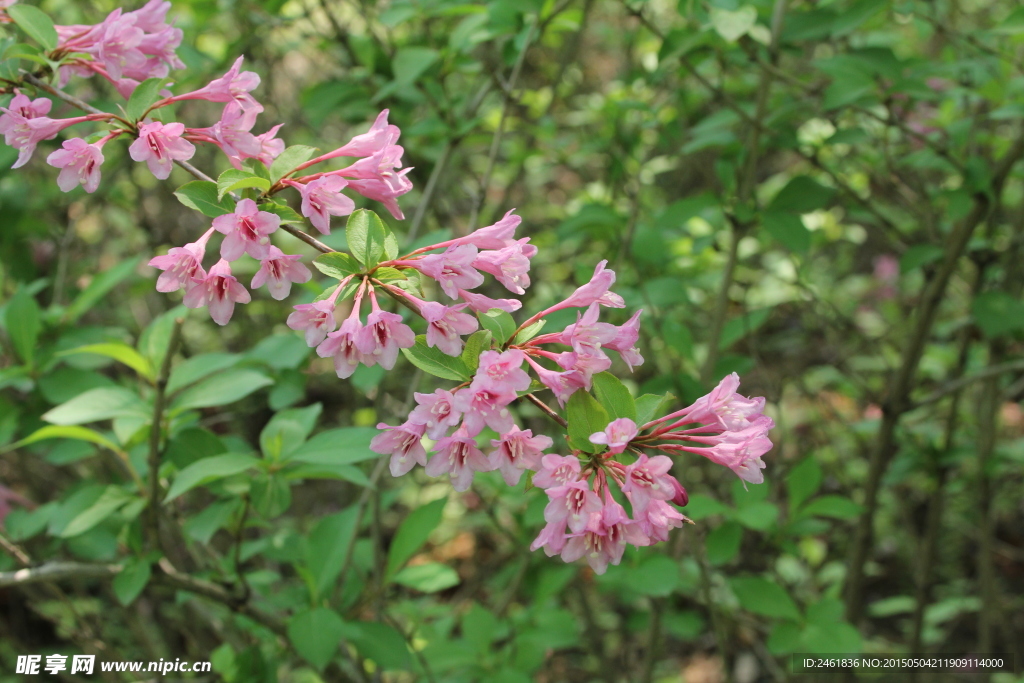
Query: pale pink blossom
{"x": 724, "y": 407}
{"x": 219, "y": 291}
{"x": 270, "y": 148}
{"x": 739, "y": 450}
{"x": 382, "y": 337}
{"x": 597, "y": 290}
{"x": 516, "y": 451}
{"x": 458, "y": 457}
{"x": 160, "y": 145}
{"x": 556, "y": 471}
{"x": 436, "y": 411}
{"x": 322, "y": 198}
{"x": 79, "y": 164}
{"x": 616, "y": 436}
{"x": 649, "y": 479}
{"x": 375, "y": 178}
{"x": 625, "y": 341}
{"x": 604, "y": 540}
{"x": 571, "y": 504}
{"x": 231, "y": 132}
{"x": 315, "y": 320}
{"x": 234, "y": 86}
{"x": 563, "y": 384}
{"x": 404, "y": 445}
{"x": 182, "y": 266}
{"x": 453, "y": 269}
{"x": 23, "y": 134}
{"x": 657, "y": 518}
{"x": 552, "y": 538}
{"x": 246, "y": 231}
{"x": 380, "y": 135}
{"x": 501, "y": 372}
{"x": 482, "y": 304}
{"x": 279, "y": 270}
{"x": 446, "y": 325}
{"x": 585, "y": 363}
{"x": 341, "y": 346}
{"x": 484, "y": 407}
{"x": 495, "y": 236}
{"x": 587, "y": 335}
{"x": 510, "y": 265}
{"x": 28, "y": 108}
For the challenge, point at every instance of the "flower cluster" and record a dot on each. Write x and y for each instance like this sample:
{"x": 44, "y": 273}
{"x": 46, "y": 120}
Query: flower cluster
{"x": 501, "y": 365}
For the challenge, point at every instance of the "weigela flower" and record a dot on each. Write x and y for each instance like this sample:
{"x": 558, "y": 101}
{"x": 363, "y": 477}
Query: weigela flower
{"x": 436, "y": 411}
{"x": 484, "y": 407}
{"x": 557, "y": 470}
{"x": 516, "y": 451}
{"x": 182, "y": 266}
{"x": 562, "y": 384}
{"x": 453, "y": 269}
{"x": 341, "y": 345}
{"x": 482, "y": 304}
{"x": 509, "y": 265}
{"x": 571, "y": 504}
{"x": 501, "y": 372}
{"x": 649, "y": 479}
{"x": 234, "y": 86}
{"x": 446, "y": 325}
{"x": 270, "y": 148}
{"x": 160, "y": 145}
{"x": 625, "y": 341}
{"x": 322, "y": 198}
{"x": 616, "y": 436}
{"x": 23, "y": 134}
{"x": 597, "y": 290}
{"x": 279, "y": 270}
{"x": 28, "y": 108}
{"x": 604, "y": 540}
{"x": 497, "y": 236}
{"x": 375, "y": 178}
{"x": 231, "y": 132}
{"x": 382, "y": 337}
{"x": 246, "y": 231}
{"x": 79, "y": 164}
{"x": 404, "y": 445}
{"x": 656, "y": 518}
{"x": 724, "y": 407}
{"x": 739, "y": 450}
{"x": 219, "y": 292}
{"x": 458, "y": 457}
{"x": 315, "y": 320}
{"x": 372, "y": 141}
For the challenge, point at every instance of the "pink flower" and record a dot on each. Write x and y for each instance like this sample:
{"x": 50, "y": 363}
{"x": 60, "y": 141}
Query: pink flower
{"x": 182, "y": 266}
{"x": 375, "y": 178}
{"x": 596, "y": 291}
{"x": 604, "y": 540}
{"x": 446, "y": 324}
{"x": 625, "y": 341}
{"x": 484, "y": 407}
{"x": 160, "y": 145}
{"x": 220, "y": 291}
{"x": 315, "y": 319}
{"x": 436, "y": 411}
{"x": 482, "y": 304}
{"x": 24, "y": 134}
{"x": 234, "y": 86}
{"x": 740, "y": 450}
{"x": 270, "y": 147}
{"x": 28, "y": 108}
{"x": 341, "y": 345}
{"x": 563, "y": 384}
{"x": 322, "y": 198}
{"x": 584, "y": 363}
{"x": 372, "y": 141}
{"x": 79, "y": 163}
{"x": 495, "y": 236}
{"x": 724, "y": 407}
{"x": 571, "y": 504}
{"x": 231, "y": 132}
{"x": 501, "y": 373}
{"x": 247, "y": 230}
{"x": 403, "y": 444}
{"x": 557, "y": 471}
{"x": 280, "y": 270}
{"x": 453, "y": 269}
{"x": 587, "y": 335}
{"x": 383, "y": 336}
{"x": 649, "y": 479}
{"x": 510, "y": 265}
{"x": 517, "y": 451}
{"x": 617, "y": 435}
{"x": 458, "y": 456}
{"x": 657, "y": 518}
{"x": 552, "y": 538}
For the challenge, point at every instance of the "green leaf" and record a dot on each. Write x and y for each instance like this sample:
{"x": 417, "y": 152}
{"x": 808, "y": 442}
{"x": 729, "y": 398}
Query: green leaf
{"x": 530, "y": 331}
{"x": 389, "y": 274}
{"x": 337, "y": 264}
{"x": 614, "y": 396}
{"x": 436, "y": 362}
{"x": 349, "y": 473}
{"x": 205, "y": 523}
{"x": 838, "y": 507}
{"x": 235, "y": 179}
{"x": 649, "y": 406}
{"x": 410, "y": 63}
{"x": 764, "y": 597}
{"x": 97, "y": 404}
{"x": 197, "y": 367}
{"x": 477, "y": 343}
{"x": 701, "y": 507}
{"x": 802, "y": 194}
{"x": 499, "y": 323}
{"x": 143, "y": 97}
{"x": 130, "y": 581}
{"x": 365, "y": 234}
{"x": 201, "y": 195}
{"x": 788, "y": 228}
{"x": 759, "y": 516}
{"x": 427, "y": 578}
{"x": 271, "y": 496}
{"x": 155, "y": 338}
{"x": 657, "y": 576}
{"x": 343, "y": 446}
{"x": 328, "y": 543}
{"x": 112, "y": 498}
{"x": 316, "y": 635}
{"x": 382, "y": 644}
{"x": 221, "y": 389}
{"x": 24, "y": 323}
{"x": 585, "y": 416}
{"x": 288, "y": 430}
{"x": 803, "y": 481}
{"x": 289, "y": 159}
{"x": 412, "y": 534}
{"x": 732, "y": 25}
{"x": 64, "y": 432}
{"x": 920, "y": 255}
{"x": 390, "y": 246}
{"x": 286, "y": 213}
{"x": 98, "y": 288}
{"x": 737, "y": 328}
{"x": 723, "y": 543}
{"x": 207, "y": 470}
{"x": 997, "y": 313}
{"x": 119, "y": 352}
{"x": 35, "y": 23}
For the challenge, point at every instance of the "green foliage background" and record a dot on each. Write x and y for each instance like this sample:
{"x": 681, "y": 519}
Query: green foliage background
{"x": 821, "y": 196}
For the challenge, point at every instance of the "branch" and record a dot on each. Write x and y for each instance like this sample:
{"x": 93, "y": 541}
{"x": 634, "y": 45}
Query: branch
{"x": 61, "y": 95}
{"x": 546, "y": 409}
{"x": 957, "y": 385}
{"x": 53, "y": 572}
{"x": 155, "y": 433}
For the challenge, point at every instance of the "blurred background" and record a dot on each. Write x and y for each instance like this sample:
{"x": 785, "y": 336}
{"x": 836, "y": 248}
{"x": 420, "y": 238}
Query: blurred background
{"x": 821, "y": 196}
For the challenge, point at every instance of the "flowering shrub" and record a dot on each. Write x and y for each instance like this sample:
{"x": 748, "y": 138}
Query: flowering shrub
{"x": 613, "y": 441}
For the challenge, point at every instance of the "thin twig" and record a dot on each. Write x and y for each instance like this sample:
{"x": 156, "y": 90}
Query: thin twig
{"x": 546, "y": 409}
{"x": 155, "y": 432}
